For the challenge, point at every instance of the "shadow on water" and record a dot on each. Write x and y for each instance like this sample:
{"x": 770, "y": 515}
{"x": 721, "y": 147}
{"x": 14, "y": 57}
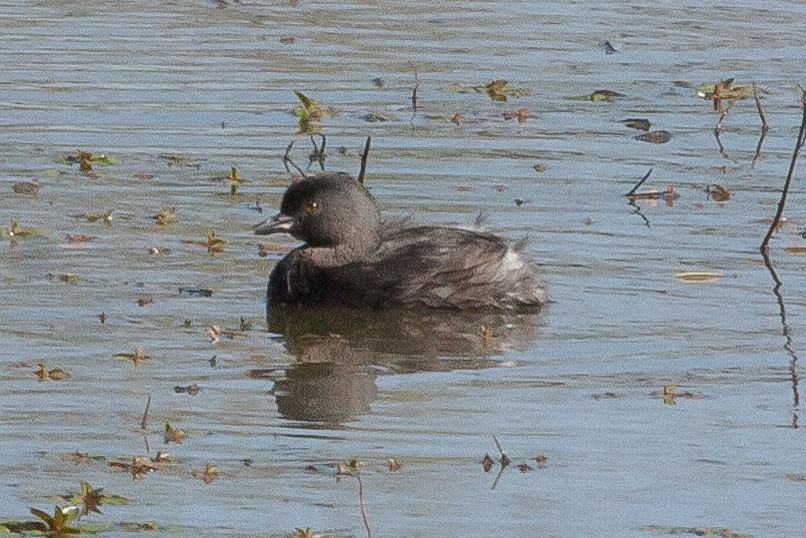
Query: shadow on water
{"x": 339, "y": 352}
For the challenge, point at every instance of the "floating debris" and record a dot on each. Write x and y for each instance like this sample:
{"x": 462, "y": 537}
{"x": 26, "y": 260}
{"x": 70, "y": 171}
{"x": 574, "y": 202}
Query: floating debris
{"x": 723, "y": 90}
{"x": 375, "y": 118}
{"x": 193, "y": 389}
{"x": 164, "y": 216}
{"x": 182, "y": 160}
{"x": 27, "y": 188}
{"x": 394, "y": 465}
{"x": 173, "y": 435}
{"x": 137, "y": 357}
{"x": 669, "y": 394}
{"x": 521, "y": 115}
{"x": 196, "y": 292}
{"x": 56, "y": 374}
{"x": 208, "y": 474}
{"x": 697, "y": 276}
{"x": 497, "y": 90}
{"x": 718, "y": 193}
{"x": 655, "y": 137}
{"x": 795, "y": 250}
{"x": 213, "y": 244}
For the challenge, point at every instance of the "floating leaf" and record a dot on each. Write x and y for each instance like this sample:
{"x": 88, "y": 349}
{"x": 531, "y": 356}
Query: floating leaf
{"x": 698, "y": 276}
{"x": 598, "y": 95}
{"x": 208, "y": 474}
{"x": 655, "y": 137}
{"x": 56, "y": 374}
{"x": 28, "y": 188}
{"x": 58, "y": 524}
{"x": 374, "y": 118}
{"x": 521, "y": 115}
{"x": 137, "y": 357}
{"x": 213, "y": 244}
{"x": 718, "y": 193}
{"x": 173, "y": 435}
{"x": 182, "y": 160}
{"x": 724, "y": 89}
{"x": 795, "y": 250}
{"x": 637, "y": 123}
{"x": 165, "y": 216}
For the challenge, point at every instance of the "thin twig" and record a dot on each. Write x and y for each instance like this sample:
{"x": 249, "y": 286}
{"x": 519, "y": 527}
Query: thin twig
{"x": 782, "y": 202}
{"x": 363, "y": 172}
{"x": 144, "y": 422}
{"x": 362, "y": 505}
{"x": 637, "y": 185}
{"x": 504, "y": 458}
{"x": 764, "y": 126}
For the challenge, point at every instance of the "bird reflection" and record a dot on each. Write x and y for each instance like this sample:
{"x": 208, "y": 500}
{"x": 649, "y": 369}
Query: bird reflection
{"x": 339, "y": 352}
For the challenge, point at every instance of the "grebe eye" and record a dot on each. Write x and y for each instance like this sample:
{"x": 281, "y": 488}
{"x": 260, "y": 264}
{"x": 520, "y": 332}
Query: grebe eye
{"x": 311, "y": 208}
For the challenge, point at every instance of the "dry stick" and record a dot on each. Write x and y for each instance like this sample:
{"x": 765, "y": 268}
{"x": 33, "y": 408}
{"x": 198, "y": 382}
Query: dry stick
{"x": 364, "y": 155}
{"x": 362, "y": 505}
{"x": 781, "y": 203}
{"x": 637, "y": 185}
{"x": 144, "y": 422}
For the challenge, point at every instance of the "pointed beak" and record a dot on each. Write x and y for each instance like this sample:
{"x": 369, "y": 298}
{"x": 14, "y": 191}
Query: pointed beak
{"x": 277, "y": 224}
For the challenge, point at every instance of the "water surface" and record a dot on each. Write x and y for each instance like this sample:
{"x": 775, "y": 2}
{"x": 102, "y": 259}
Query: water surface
{"x": 215, "y": 84}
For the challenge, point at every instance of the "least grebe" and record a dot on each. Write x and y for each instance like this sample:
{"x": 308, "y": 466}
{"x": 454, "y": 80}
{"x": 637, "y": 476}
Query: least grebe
{"x": 352, "y": 257}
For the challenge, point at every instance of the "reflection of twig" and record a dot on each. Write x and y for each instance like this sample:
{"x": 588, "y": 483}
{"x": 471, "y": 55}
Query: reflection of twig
{"x": 764, "y": 125}
{"x": 414, "y": 89}
{"x": 318, "y": 154}
{"x": 498, "y": 477}
{"x": 793, "y": 362}
{"x": 363, "y": 172}
{"x": 362, "y": 505}
{"x": 765, "y": 252}
{"x": 287, "y": 159}
{"x": 782, "y": 202}
{"x": 719, "y": 144}
{"x": 757, "y": 155}
{"x": 637, "y": 185}
{"x": 638, "y": 212}
{"x": 144, "y": 422}
{"x": 723, "y": 112}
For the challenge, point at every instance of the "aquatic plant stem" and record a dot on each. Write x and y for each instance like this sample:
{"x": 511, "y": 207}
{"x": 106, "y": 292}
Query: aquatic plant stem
{"x": 782, "y": 203}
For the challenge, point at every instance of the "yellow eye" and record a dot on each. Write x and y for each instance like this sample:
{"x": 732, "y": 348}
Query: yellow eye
{"x": 311, "y": 208}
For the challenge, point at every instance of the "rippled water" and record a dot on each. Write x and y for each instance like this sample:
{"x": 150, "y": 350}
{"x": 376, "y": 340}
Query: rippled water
{"x": 215, "y": 83}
